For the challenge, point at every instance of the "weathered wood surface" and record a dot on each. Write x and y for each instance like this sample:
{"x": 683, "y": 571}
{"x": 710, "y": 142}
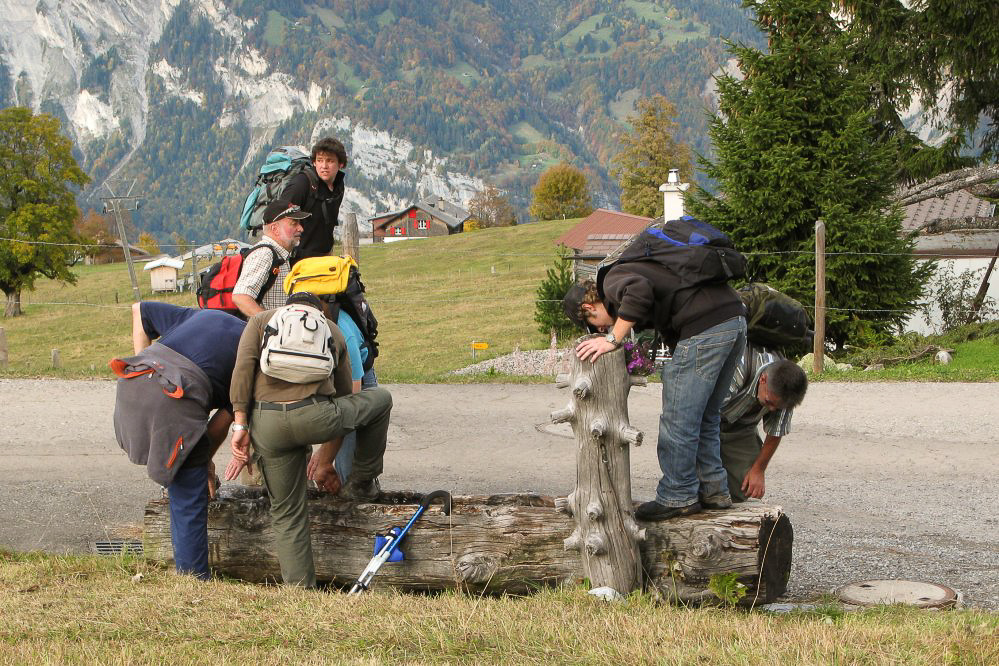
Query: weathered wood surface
{"x": 500, "y": 543}
{"x": 606, "y": 534}
{"x": 950, "y": 182}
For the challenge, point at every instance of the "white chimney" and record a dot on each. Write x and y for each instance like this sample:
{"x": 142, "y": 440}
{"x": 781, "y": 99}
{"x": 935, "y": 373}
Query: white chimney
{"x": 673, "y": 191}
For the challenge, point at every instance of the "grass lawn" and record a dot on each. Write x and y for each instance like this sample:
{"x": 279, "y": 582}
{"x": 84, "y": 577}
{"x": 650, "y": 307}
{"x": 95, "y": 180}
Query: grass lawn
{"x": 432, "y": 297}
{"x": 89, "y": 609}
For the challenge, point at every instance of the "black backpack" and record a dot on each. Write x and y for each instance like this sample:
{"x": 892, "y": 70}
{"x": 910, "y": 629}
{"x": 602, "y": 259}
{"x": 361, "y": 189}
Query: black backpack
{"x": 353, "y": 302}
{"x": 774, "y": 319}
{"x": 696, "y": 252}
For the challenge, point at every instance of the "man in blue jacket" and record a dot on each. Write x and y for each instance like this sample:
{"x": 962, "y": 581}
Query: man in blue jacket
{"x": 163, "y": 412}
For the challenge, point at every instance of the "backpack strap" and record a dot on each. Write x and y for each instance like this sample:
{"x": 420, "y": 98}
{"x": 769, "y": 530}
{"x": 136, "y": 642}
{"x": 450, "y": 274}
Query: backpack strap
{"x": 276, "y": 262}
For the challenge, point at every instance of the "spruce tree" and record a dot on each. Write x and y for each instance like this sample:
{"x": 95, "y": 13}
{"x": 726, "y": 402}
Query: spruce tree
{"x": 794, "y": 142}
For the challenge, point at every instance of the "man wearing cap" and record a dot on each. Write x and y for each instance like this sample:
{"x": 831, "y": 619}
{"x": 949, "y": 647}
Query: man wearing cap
{"x": 260, "y": 284}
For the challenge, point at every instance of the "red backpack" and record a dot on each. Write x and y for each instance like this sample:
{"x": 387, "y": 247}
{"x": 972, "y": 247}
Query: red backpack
{"x": 217, "y": 283}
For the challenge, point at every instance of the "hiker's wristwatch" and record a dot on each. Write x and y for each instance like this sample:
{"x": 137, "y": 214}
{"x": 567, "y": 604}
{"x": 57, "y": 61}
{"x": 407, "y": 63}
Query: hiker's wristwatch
{"x": 236, "y": 427}
{"x": 611, "y": 339}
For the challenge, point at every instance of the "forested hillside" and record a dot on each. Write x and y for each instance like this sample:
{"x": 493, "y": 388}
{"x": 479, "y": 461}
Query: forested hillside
{"x": 496, "y": 90}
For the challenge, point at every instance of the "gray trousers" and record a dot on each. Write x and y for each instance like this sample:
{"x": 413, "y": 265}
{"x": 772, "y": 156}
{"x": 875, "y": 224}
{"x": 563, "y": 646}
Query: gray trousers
{"x": 282, "y": 440}
{"x": 740, "y": 447}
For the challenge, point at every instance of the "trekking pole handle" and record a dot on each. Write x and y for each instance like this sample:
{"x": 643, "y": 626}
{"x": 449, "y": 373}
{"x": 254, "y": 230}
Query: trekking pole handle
{"x": 443, "y": 495}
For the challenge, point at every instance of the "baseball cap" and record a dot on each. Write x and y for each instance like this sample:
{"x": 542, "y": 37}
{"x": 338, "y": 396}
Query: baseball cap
{"x": 280, "y": 208}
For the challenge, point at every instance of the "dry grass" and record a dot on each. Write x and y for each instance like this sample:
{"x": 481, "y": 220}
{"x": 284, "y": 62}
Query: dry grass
{"x": 89, "y": 610}
{"x": 432, "y": 298}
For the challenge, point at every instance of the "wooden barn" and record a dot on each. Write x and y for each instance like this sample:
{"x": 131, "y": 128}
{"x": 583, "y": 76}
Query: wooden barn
{"x": 431, "y": 216}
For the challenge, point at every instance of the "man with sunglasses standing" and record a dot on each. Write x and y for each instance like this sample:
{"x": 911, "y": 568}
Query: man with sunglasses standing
{"x": 261, "y": 284}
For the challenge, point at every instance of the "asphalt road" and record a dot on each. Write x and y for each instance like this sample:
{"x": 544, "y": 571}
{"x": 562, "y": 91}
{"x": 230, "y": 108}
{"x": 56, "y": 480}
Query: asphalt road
{"x": 879, "y": 480}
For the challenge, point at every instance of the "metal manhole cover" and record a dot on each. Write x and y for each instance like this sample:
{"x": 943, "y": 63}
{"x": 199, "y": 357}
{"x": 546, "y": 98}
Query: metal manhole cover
{"x": 118, "y": 547}
{"x": 909, "y": 592}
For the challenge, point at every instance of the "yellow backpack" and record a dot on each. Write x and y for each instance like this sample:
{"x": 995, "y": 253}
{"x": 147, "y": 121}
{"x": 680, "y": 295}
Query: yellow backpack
{"x": 320, "y": 275}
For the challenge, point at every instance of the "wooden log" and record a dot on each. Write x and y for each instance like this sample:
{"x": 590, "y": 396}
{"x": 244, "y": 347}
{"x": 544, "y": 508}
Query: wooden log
{"x": 606, "y": 533}
{"x": 495, "y": 544}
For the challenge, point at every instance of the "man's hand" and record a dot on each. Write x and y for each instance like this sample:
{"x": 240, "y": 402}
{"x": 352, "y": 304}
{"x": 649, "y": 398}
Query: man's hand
{"x": 592, "y": 348}
{"x": 240, "y": 446}
{"x": 753, "y": 485}
{"x": 326, "y": 478}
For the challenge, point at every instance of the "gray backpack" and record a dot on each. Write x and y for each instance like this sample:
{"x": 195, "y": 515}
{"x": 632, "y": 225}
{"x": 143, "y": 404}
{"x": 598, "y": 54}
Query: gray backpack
{"x": 297, "y": 345}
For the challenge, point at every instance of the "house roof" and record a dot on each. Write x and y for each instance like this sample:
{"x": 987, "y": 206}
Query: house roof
{"x": 164, "y": 261}
{"x": 967, "y": 242}
{"x": 602, "y": 222}
{"x": 445, "y": 211}
{"x": 601, "y": 245}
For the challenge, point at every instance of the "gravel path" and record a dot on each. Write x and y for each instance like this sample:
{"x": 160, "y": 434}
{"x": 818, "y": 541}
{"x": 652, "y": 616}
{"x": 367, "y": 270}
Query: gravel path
{"x": 886, "y": 480}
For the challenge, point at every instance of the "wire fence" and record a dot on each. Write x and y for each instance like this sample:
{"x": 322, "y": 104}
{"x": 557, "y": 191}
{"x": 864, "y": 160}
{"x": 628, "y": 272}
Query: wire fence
{"x": 452, "y": 251}
{"x": 469, "y": 293}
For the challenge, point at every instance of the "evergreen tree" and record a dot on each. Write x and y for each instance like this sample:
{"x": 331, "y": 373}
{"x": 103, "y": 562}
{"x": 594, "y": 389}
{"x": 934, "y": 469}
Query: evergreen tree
{"x": 794, "y": 143}
{"x": 650, "y": 151}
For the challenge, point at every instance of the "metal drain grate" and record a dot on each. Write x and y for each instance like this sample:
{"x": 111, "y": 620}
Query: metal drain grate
{"x": 118, "y": 547}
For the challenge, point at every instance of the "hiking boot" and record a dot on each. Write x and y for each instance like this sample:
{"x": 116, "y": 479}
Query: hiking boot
{"x": 655, "y": 511}
{"x": 366, "y": 490}
{"x": 716, "y": 502}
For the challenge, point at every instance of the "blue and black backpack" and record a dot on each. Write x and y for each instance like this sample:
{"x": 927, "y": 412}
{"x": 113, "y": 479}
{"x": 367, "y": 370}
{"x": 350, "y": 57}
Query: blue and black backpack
{"x": 694, "y": 251}
{"x": 282, "y": 164}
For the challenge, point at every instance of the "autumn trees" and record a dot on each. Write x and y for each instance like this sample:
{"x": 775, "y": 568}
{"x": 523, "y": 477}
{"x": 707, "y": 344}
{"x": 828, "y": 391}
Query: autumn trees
{"x": 562, "y": 192}
{"x": 649, "y": 152}
{"x": 38, "y": 177}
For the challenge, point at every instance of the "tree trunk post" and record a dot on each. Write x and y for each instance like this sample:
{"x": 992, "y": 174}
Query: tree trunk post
{"x": 819, "y": 342}
{"x": 983, "y": 290}
{"x": 351, "y": 243}
{"x": 606, "y": 534}
{"x": 3, "y": 349}
{"x": 56, "y": 363}
{"x": 13, "y": 307}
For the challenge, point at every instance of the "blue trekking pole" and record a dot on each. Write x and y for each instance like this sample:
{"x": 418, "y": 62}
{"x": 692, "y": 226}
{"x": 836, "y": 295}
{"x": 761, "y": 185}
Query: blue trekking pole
{"x": 389, "y": 550}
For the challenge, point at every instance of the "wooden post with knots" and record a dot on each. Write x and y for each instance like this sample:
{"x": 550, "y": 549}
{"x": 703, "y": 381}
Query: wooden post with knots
{"x": 606, "y": 534}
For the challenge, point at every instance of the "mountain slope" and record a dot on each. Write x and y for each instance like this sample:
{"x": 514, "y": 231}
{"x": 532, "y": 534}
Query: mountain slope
{"x": 437, "y": 97}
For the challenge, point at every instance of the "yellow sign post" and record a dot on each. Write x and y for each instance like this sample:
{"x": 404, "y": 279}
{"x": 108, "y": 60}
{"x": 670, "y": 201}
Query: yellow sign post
{"x": 478, "y": 346}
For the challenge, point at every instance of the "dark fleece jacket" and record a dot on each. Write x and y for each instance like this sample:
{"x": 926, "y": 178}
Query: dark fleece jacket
{"x": 648, "y": 294}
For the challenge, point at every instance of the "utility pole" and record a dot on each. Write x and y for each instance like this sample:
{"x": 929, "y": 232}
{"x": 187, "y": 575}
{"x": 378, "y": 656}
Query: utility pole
{"x": 115, "y": 205}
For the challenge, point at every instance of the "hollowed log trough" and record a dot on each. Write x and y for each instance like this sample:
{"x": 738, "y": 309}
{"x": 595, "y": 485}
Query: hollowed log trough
{"x": 494, "y": 544}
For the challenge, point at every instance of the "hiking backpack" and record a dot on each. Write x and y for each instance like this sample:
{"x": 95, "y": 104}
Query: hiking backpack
{"x": 297, "y": 345}
{"x": 282, "y": 164}
{"x": 774, "y": 319}
{"x": 217, "y": 283}
{"x": 338, "y": 281}
{"x": 694, "y": 251}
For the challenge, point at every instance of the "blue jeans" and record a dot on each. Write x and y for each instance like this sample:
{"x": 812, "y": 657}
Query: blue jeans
{"x": 189, "y": 520}
{"x": 695, "y": 384}
{"x": 345, "y": 456}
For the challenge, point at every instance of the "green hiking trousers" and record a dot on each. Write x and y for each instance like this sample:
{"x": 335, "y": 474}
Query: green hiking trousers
{"x": 282, "y": 440}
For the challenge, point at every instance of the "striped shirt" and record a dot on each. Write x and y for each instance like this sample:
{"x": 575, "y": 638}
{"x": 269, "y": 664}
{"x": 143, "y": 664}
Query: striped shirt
{"x": 253, "y": 276}
{"x": 742, "y": 407}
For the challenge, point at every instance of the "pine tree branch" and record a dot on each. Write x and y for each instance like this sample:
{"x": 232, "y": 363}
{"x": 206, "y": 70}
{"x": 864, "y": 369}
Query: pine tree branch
{"x": 947, "y": 183}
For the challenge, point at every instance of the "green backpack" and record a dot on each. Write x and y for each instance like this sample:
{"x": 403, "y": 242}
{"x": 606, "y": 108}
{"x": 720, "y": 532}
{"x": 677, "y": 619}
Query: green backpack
{"x": 774, "y": 319}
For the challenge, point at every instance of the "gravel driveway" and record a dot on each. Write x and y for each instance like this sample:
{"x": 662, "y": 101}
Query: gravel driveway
{"x": 879, "y": 480}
